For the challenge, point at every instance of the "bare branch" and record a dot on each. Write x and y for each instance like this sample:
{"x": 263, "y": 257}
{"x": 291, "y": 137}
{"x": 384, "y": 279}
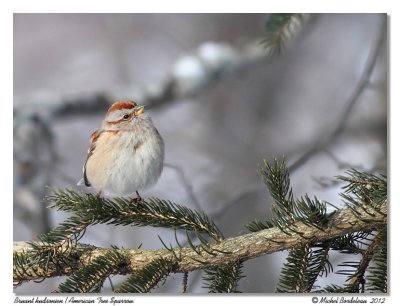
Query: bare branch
{"x": 186, "y": 184}
{"x": 224, "y": 61}
{"x": 184, "y": 282}
{"x": 327, "y": 138}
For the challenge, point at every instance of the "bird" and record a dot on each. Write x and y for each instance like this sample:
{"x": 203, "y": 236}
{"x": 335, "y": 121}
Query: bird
{"x": 126, "y": 154}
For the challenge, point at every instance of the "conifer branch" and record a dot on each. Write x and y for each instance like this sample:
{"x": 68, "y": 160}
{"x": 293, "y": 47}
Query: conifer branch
{"x": 125, "y": 211}
{"x": 280, "y": 29}
{"x": 90, "y": 278}
{"x": 293, "y": 275}
{"x": 303, "y": 226}
{"x": 145, "y": 279}
{"x": 235, "y": 249}
{"x": 224, "y": 278}
{"x": 319, "y": 264}
{"x": 376, "y": 280}
{"x": 357, "y": 280}
{"x": 377, "y": 277}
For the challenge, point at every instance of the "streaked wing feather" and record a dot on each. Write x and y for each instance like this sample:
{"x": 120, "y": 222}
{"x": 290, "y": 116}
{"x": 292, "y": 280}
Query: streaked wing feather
{"x": 93, "y": 140}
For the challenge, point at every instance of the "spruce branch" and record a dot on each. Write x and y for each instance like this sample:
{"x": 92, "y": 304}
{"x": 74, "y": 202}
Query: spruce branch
{"x": 303, "y": 266}
{"x": 224, "y": 278}
{"x": 352, "y": 243}
{"x": 305, "y": 263}
{"x": 125, "y": 211}
{"x": 364, "y": 274}
{"x": 26, "y": 269}
{"x": 258, "y": 225}
{"x": 377, "y": 277}
{"x": 280, "y": 30}
{"x": 286, "y": 210}
{"x": 357, "y": 280}
{"x": 90, "y": 278}
{"x": 333, "y": 289}
{"x": 234, "y": 249}
{"x": 145, "y": 279}
{"x": 364, "y": 188}
{"x": 276, "y": 177}
{"x": 293, "y": 275}
{"x": 319, "y": 263}
{"x": 303, "y": 226}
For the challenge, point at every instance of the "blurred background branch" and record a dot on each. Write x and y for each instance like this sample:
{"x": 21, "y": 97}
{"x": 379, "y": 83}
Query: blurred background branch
{"x": 365, "y": 80}
{"x": 189, "y": 75}
{"x": 324, "y": 141}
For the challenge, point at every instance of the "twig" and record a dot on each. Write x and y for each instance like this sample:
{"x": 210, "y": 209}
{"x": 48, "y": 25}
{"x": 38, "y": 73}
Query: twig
{"x": 111, "y": 284}
{"x": 367, "y": 255}
{"x": 184, "y": 282}
{"x": 237, "y": 199}
{"x": 326, "y": 139}
{"x": 185, "y": 182}
{"x": 339, "y": 163}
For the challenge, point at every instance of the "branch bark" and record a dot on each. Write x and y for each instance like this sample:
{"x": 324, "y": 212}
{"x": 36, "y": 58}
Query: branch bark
{"x": 241, "y": 248}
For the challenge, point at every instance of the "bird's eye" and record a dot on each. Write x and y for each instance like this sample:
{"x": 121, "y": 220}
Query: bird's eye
{"x": 126, "y": 116}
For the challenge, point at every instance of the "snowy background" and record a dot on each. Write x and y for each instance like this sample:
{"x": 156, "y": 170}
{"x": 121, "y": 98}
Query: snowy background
{"x": 217, "y": 131}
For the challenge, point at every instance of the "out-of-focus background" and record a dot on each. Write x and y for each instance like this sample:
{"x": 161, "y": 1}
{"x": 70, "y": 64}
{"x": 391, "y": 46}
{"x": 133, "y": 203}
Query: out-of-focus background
{"x": 219, "y": 100}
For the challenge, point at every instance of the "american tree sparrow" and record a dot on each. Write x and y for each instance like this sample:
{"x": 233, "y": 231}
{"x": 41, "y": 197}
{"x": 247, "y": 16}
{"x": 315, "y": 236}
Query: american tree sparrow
{"x": 126, "y": 153}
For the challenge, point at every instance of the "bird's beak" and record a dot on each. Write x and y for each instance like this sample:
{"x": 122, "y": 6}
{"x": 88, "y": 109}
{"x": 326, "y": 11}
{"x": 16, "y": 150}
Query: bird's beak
{"x": 139, "y": 110}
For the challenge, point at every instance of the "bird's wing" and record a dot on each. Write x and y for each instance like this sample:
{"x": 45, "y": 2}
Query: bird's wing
{"x": 93, "y": 140}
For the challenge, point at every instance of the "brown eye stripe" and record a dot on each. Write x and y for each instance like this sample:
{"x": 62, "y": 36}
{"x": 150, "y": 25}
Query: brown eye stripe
{"x": 118, "y": 121}
{"x": 126, "y": 104}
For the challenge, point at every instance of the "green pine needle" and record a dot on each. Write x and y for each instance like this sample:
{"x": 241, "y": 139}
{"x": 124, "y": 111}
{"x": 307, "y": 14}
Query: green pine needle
{"x": 91, "y": 277}
{"x": 364, "y": 189}
{"x": 333, "y": 289}
{"x": 25, "y": 266}
{"x": 257, "y": 225}
{"x": 280, "y": 29}
{"x": 303, "y": 266}
{"x": 305, "y": 263}
{"x": 293, "y": 275}
{"x": 144, "y": 280}
{"x": 377, "y": 277}
{"x": 276, "y": 177}
{"x": 353, "y": 243}
{"x": 286, "y": 210}
{"x": 223, "y": 279}
{"x": 126, "y": 211}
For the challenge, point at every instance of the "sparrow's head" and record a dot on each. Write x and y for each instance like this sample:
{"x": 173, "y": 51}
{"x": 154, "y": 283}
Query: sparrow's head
{"x": 123, "y": 114}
